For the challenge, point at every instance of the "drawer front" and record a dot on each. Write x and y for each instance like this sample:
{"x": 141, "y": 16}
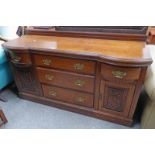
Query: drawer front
{"x": 120, "y": 73}
{"x": 68, "y": 96}
{"x": 79, "y": 66}
{"x": 67, "y": 80}
{"x": 20, "y": 57}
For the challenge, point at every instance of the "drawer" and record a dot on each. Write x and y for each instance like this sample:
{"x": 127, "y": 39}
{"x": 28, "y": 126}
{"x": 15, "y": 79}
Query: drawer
{"x": 20, "y": 57}
{"x": 66, "y": 79}
{"x": 120, "y": 73}
{"x": 74, "y": 65}
{"x": 69, "y": 96}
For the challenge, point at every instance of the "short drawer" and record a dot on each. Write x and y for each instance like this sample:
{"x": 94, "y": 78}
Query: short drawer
{"x": 68, "y": 96}
{"x": 66, "y": 79}
{"x": 20, "y": 57}
{"x": 120, "y": 73}
{"x": 75, "y": 65}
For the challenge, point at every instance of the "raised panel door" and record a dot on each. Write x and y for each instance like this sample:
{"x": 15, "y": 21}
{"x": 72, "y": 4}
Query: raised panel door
{"x": 116, "y": 98}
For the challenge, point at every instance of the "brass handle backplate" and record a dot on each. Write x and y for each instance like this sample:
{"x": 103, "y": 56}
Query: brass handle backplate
{"x": 52, "y": 93}
{"x": 49, "y": 77}
{"x": 46, "y": 62}
{"x": 79, "y": 83}
{"x": 17, "y": 59}
{"x": 80, "y": 99}
{"x": 119, "y": 74}
{"x": 78, "y": 66}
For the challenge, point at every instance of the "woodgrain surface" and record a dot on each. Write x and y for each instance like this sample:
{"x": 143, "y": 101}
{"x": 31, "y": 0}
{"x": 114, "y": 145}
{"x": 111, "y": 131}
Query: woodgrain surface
{"x": 69, "y": 96}
{"x": 101, "y": 78}
{"x": 116, "y": 97}
{"x": 124, "y": 51}
{"x": 74, "y": 65}
{"x": 66, "y": 79}
{"x": 130, "y": 73}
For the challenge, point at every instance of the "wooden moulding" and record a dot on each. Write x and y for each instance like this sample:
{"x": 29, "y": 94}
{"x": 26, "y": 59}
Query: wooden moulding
{"x": 137, "y": 33}
{"x": 112, "y": 36}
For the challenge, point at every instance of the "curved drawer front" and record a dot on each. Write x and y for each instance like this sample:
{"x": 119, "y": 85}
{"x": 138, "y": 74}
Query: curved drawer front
{"x": 67, "y": 80}
{"x": 120, "y": 73}
{"x": 69, "y": 96}
{"x": 20, "y": 57}
{"x": 74, "y": 65}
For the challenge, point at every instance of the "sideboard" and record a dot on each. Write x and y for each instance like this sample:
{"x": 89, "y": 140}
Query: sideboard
{"x": 96, "y": 77}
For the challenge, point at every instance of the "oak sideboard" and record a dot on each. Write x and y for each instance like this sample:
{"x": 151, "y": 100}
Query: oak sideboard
{"x": 102, "y": 78}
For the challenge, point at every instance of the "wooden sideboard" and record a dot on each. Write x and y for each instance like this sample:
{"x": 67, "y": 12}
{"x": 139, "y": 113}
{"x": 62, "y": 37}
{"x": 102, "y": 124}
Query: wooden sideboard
{"x": 97, "y": 77}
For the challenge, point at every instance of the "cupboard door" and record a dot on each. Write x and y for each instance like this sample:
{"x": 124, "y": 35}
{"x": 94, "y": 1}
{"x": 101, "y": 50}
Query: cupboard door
{"x": 116, "y": 98}
{"x": 25, "y": 78}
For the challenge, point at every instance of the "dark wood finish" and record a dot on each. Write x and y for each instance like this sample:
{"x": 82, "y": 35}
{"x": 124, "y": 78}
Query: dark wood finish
{"x": 79, "y": 66}
{"x": 96, "y": 77}
{"x": 103, "y": 32}
{"x": 25, "y": 74}
{"x": 70, "y": 96}
{"x": 116, "y": 98}
{"x": 67, "y": 80}
{"x": 18, "y": 57}
{"x": 97, "y": 85}
{"x": 25, "y": 78}
{"x": 120, "y": 73}
{"x": 2, "y": 117}
{"x": 105, "y": 29}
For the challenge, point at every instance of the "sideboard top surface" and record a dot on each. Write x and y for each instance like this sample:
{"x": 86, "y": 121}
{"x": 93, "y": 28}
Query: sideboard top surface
{"x": 133, "y": 51}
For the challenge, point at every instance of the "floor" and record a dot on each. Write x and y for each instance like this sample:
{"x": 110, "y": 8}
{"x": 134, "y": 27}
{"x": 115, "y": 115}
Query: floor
{"x": 23, "y": 114}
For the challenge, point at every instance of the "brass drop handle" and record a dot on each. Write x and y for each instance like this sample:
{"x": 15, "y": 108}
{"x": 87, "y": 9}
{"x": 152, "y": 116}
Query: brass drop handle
{"x": 80, "y": 99}
{"x": 79, "y": 83}
{"x": 52, "y": 93}
{"x": 17, "y": 59}
{"x": 49, "y": 77}
{"x": 78, "y": 66}
{"x": 119, "y": 74}
{"x": 47, "y": 62}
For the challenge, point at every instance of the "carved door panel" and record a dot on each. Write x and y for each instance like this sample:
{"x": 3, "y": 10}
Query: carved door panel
{"x": 24, "y": 74}
{"x": 25, "y": 79}
{"x": 116, "y": 98}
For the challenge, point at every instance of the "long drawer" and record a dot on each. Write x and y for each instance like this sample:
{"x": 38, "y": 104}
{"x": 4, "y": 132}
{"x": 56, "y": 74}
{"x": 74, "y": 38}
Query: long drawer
{"x": 74, "y": 65}
{"x": 66, "y": 79}
{"x": 68, "y": 96}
